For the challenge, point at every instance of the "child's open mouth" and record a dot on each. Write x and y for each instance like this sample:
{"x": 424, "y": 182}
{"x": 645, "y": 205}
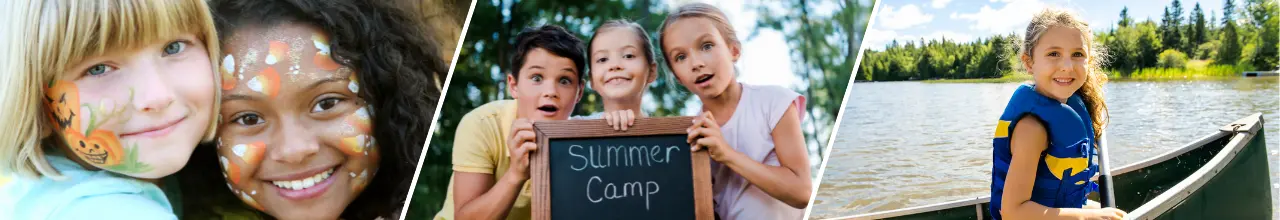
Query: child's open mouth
{"x": 307, "y": 187}
{"x": 1063, "y": 81}
{"x": 617, "y": 80}
{"x": 548, "y": 110}
{"x": 703, "y": 79}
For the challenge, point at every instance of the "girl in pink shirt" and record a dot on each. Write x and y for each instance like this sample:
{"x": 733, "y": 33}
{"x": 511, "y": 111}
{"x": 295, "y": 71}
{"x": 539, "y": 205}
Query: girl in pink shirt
{"x": 760, "y": 166}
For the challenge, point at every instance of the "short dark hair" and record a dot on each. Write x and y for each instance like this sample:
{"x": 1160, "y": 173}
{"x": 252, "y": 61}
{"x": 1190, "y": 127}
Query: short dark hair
{"x": 552, "y": 38}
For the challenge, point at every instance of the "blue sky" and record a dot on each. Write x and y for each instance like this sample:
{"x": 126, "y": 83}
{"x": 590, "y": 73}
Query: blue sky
{"x": 968, "y": 20}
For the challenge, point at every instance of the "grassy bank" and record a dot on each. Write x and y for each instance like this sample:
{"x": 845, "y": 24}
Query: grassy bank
{"x": 1195, "y": 70}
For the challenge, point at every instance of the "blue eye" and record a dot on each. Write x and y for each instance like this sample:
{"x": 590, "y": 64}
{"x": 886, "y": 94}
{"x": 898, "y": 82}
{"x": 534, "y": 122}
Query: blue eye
{"x": 98, "y": 69}
{"x": 706, "y": 46}
{"x": 174, "y": 48}
{"x": 536, "y": 78}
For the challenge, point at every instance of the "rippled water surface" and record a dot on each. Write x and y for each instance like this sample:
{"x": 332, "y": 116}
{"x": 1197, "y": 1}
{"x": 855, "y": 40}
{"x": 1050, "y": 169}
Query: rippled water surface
{"x": 904, "y": 144}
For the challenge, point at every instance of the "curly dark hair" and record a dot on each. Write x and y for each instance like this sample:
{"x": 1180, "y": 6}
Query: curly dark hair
{"x": 401, "y": 69}
{"x": 554, "y": 39}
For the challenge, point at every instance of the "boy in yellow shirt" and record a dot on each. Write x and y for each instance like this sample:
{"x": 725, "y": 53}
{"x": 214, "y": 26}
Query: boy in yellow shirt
{"x": 492, "y": 143}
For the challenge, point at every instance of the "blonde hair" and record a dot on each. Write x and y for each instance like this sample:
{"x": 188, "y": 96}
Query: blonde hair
{"x": 699, "y": 10}
{"x": 41, "y": 39}
{"x": 1091, "y": 91}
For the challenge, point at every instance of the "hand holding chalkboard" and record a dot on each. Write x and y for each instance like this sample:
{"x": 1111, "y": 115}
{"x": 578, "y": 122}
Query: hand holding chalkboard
{"x": 588, "y": 170}
{"x": 520, "y": 143}
{"x": 705, "y": 134}
{"x": 620, "y": 119}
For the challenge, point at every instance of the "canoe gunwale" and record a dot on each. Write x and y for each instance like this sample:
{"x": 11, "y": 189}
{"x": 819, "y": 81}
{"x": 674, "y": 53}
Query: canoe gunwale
{"x": 1239, "y": 140}
{"x": 1175, "y": 195}
{"x": 1169, "y": 154}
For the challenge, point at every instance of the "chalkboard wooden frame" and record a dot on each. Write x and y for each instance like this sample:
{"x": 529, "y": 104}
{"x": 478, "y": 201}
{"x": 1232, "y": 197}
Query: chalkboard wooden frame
{"x": 540, "y": 172}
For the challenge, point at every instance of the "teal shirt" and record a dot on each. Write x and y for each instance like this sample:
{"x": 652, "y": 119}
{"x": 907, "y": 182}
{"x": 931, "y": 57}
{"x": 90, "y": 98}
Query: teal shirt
{"x": 82, "y": 194}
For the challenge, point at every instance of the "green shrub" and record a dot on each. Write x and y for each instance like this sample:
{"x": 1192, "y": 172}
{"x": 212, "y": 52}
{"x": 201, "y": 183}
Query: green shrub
{"x": 1172, "y": 59}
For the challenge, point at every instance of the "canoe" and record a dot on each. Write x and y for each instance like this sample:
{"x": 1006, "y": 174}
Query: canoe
{"x": 1219, "y": 176}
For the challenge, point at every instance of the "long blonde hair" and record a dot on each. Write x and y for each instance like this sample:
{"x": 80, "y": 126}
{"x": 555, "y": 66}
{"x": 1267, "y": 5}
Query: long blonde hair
{"x": 1091, "y": 91}
{"x": 40, "y": 39}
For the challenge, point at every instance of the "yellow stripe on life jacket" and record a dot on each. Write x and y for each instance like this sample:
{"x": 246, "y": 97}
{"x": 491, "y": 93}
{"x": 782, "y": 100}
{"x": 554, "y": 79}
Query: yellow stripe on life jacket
{"x": 1002, "y": 129}
{"x": 1057, "y": 165}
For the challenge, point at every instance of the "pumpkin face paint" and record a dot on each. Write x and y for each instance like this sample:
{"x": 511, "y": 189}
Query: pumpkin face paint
{"x": 296, "y": 139}
{"x": 139, "y": 112}
{"x": 63, "y": 100}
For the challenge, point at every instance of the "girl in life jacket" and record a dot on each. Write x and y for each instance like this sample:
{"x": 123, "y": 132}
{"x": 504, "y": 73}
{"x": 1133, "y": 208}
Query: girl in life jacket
{"x": 1045, "y": 141}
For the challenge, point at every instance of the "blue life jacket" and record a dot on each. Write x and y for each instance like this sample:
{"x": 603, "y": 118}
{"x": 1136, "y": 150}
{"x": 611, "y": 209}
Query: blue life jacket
{"x": 1066, "y": 165}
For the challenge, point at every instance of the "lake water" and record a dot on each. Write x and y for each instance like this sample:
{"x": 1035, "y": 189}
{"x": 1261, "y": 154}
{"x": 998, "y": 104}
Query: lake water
{"x": 904, "y": 144}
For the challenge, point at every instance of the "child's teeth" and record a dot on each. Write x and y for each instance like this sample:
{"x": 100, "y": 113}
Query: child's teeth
{"x": 303, "y": 183}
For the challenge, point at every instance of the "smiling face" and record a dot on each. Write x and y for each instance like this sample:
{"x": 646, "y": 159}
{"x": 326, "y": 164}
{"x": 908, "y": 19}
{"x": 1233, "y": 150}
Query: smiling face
{"x": 296, "y": 139}
{"x": 547, "y": 86}
{"x": 619, "y": 70}
{"x": 1058, "y": 62}
{"x": 699, "y": 56}
{"x": 139, "y": 112}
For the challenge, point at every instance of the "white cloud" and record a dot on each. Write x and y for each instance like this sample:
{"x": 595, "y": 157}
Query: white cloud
{"x": 939, "y": 3}
{"x": 876, "y": 39}
{"x": 1006, "y": 19}
{"x": 905, "y": 17}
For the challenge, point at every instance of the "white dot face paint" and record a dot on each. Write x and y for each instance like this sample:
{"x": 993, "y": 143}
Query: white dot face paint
{"x": 239, "y": 150}
{"x": 229, "y": 63}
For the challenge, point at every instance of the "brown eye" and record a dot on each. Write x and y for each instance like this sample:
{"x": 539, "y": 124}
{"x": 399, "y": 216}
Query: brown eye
{"x": 1077, "y": 54}
{"x": 1054, "y": 54}
{"x": 249, "y": 119}
{"x": 325, "y": 104}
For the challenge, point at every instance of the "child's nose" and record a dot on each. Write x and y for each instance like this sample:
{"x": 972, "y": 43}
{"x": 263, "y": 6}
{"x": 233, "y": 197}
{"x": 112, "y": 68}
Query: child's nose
{"x": 151, "y": 93}
{"x": 1067, "y": 65}
{"x": 549, "y": 92}
{"x": 696, "y": 63}
{"x": 296, "y": 144}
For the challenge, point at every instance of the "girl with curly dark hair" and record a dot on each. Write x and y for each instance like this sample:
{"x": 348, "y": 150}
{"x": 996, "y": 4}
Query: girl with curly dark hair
{"x": 326, "y": 105}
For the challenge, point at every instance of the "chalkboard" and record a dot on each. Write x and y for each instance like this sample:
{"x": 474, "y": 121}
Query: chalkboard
{"x": 584, "y": 169}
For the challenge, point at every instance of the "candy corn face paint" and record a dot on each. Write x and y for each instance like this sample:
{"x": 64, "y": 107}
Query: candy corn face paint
{"x": 295, "y": 131}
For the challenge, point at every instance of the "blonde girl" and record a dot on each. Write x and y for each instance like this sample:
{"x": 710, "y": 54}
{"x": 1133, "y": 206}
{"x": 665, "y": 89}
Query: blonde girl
{"x": 102, "y": 100}
{"x": 622, "y": 67}
{"x": 752, "y": 132}
{"x": 1040, "y": 174}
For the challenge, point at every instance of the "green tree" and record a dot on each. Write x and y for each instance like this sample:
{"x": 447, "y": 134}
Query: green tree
{"x": 1229, "y": 50}
{"x": 1197, "y": 32}
{"x": 1125, "y": 20}
{"x": 1264, "y": 18}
